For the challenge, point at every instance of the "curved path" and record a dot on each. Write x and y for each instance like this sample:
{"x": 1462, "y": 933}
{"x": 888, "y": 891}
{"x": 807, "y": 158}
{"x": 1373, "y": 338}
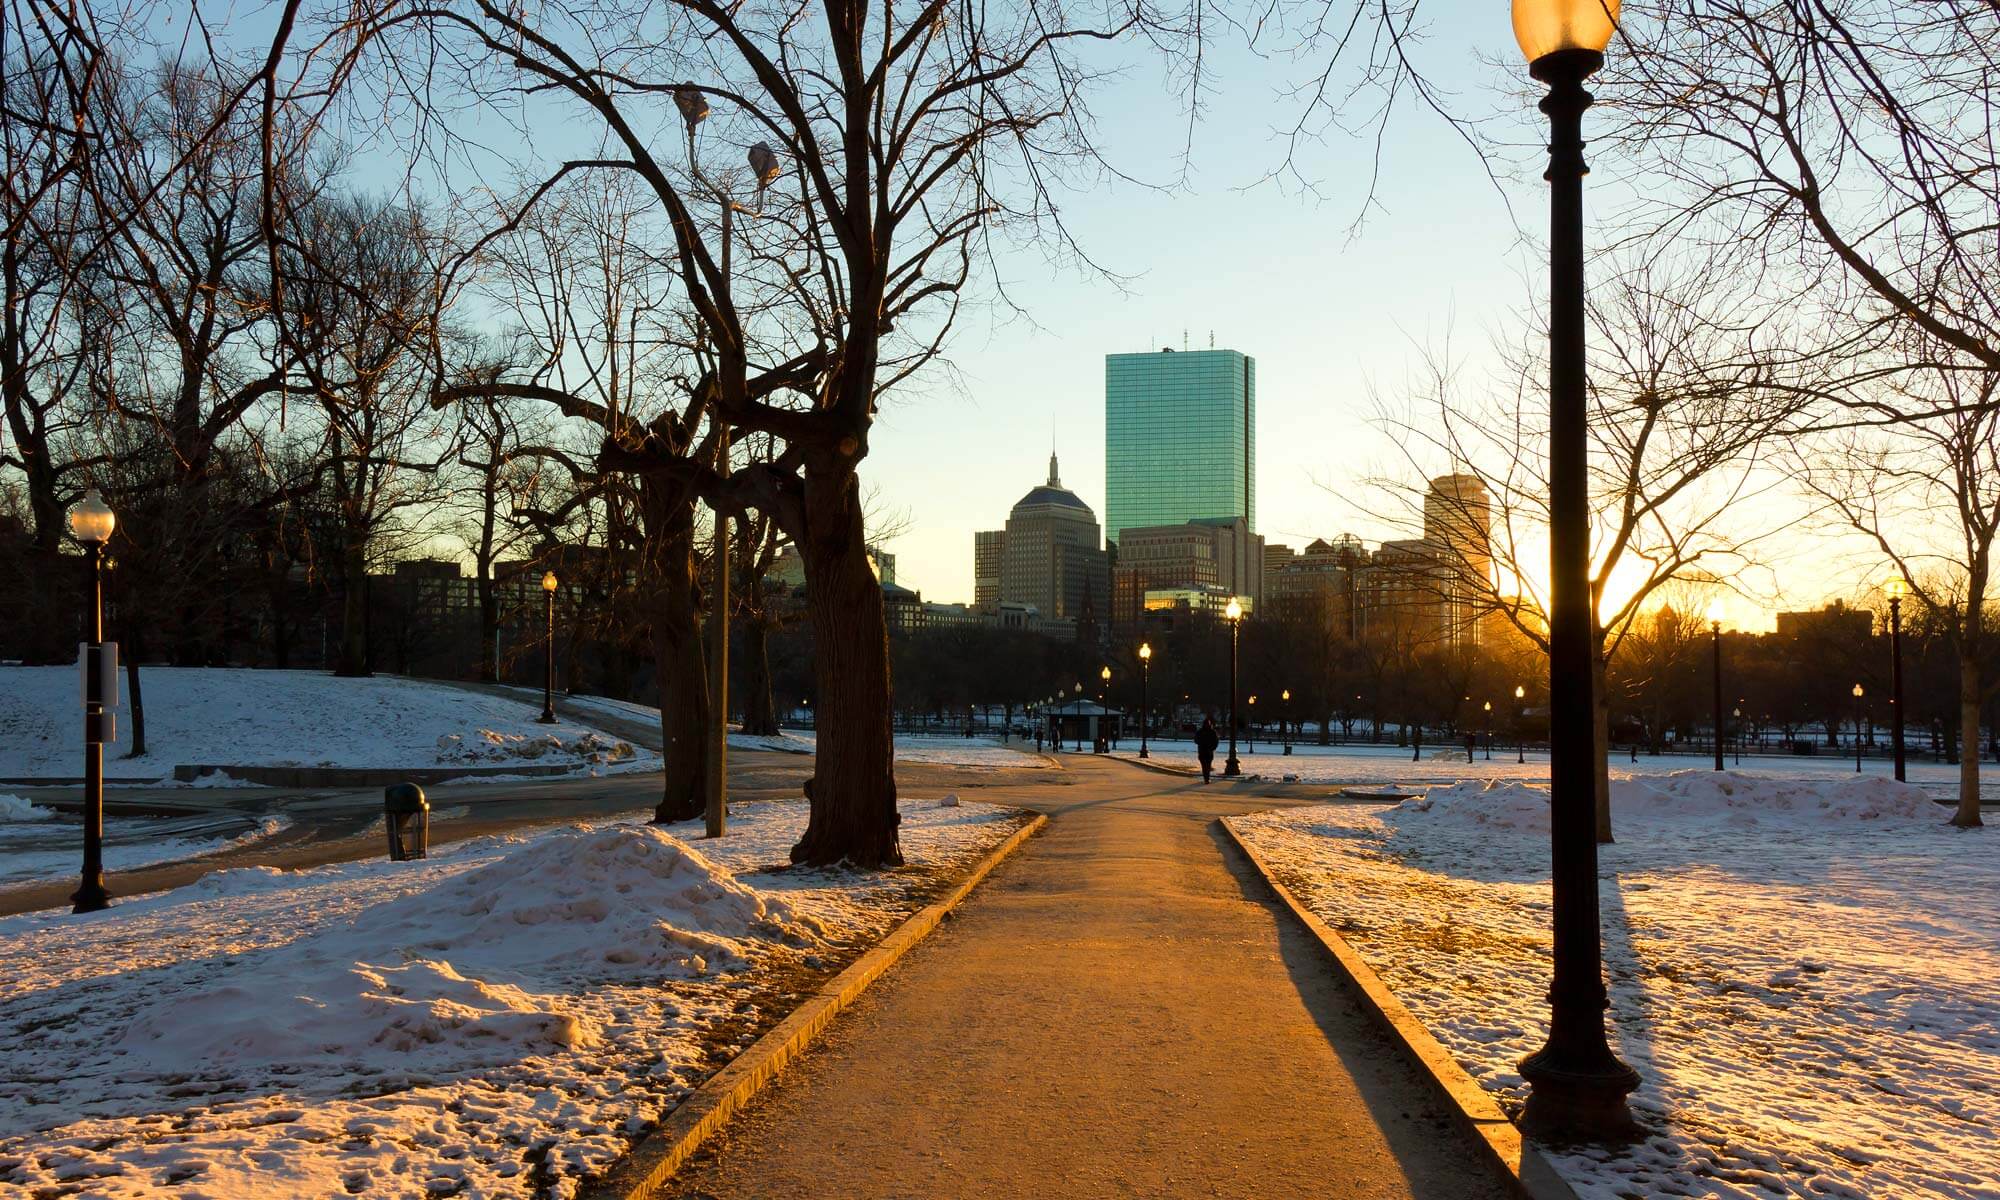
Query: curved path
{"x": 1120, "y": 1010}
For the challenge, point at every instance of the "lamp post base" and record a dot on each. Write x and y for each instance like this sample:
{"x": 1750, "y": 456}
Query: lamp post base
{"x": 1570, "y": 1102}
{"x": 1231, "y": 767}
{"x": 1143, "y": 753}
{"x": 91, "y": 897}
{"x": 547, "y": 718}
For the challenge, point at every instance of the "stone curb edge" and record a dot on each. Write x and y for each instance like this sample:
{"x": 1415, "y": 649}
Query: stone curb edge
{"x": 651, "y": 1163}
{"x": 1472, "y": 1106}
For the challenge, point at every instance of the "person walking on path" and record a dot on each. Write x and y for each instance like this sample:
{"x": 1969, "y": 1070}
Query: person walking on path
{"x": 1204, "y": 746}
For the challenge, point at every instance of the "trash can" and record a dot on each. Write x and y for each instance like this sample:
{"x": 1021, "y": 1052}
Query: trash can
{"x": 408, "y": 816}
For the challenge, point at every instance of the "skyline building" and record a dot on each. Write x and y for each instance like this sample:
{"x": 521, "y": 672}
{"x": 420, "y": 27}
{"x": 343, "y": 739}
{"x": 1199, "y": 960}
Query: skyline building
{"x": 1050, "y": 556}
{"x": 1180, "y": 439}
{"x": 1213, "y": 555}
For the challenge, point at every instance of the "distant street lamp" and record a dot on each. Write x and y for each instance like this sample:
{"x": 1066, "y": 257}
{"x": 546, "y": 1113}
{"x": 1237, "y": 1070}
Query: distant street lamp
{"x": 1715, "y": 635}
{"x": 1285, "y": 720}
{"x": 1104, "y": 702}
{"x": 1234, "y": 614}
{"x": 1250, "y": 726}
{"x": 548, "y": 716}
{"x": 1898, "y": 588}
{"x": 1520, "y": 737}
{"x": 1145, "y": 713}
{"x": 91, "y": 523}
{"x": 1578, "y": 1086}
{"x": 1077, "y": 706}
{"x": 1857, "y": 729}
{"x": 1487, "y": 731}
{"x": 1736, "y": 715}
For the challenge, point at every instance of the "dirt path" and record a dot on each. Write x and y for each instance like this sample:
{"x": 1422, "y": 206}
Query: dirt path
{"x": 1120, "y": 1011}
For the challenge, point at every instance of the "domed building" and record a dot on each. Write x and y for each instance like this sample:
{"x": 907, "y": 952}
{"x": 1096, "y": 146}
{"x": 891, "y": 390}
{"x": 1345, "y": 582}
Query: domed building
{"x": 1051, "y": 555}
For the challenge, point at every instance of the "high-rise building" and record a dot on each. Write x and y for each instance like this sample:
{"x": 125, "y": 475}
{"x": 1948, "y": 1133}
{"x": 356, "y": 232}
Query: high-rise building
{"x": 989, "y": 553}
{"x": 1180, "y": 438}
{"x": 1213, "y": 553}
{"x": 1051, "y": 554}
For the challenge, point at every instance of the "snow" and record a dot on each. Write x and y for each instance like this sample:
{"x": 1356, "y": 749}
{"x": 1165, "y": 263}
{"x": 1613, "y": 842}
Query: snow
{"x": 290, "y": 718}
{"x": 910, "y": 747}
{"x": 1367, "y": 765}
{"x": 1800, "y": 970}
{"x": 14, "y": 809}
{"x": 38, "y": 850}
{"x": 498, "y": 1020}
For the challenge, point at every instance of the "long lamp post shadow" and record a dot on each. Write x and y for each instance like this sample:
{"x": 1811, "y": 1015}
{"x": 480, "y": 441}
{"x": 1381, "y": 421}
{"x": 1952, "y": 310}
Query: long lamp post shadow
{"x": 1578, "y": 1086}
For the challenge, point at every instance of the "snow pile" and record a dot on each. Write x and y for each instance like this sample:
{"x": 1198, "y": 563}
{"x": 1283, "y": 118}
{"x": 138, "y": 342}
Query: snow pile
{"x": 493, "y": 746}
{"x": 460, "y": 974}
{"x": 1802, "y": 973}
{"x": 1725, "y": 799}
{"x": 236, "y": 717}
{"x": 14, "y": 809}
{"x": 498, "y": 1020}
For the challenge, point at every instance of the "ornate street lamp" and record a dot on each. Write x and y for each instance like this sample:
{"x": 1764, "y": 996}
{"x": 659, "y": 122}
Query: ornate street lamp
{"x": 1145, "y": 713}
{"x": 1104, "y": 702}
{"x": 1578, "y": 1086}
{"x": 1520, "y": 743}
{"x": 1736, "y": 719}
{"x": 91, "y": 523}
{"x": 1250, "y": 726}
{"x": 548, "y": 716}
{"x": 1285, "y": 720}
{"x": 1857, "y": 729}
{"x": 1234, "y": 614}
{"x": 1487, "y": 731}
{"x": 1898, "y": 587}
{"x": 1076, "y": 705}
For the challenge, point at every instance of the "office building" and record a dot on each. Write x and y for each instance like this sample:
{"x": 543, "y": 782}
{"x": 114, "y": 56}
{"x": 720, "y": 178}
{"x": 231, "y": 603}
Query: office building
{"x": 1049, "y": 557}
{"x": 1209, "y": 555}
{"x": 1180, "y": 439}
{"x": 989, "y": 553}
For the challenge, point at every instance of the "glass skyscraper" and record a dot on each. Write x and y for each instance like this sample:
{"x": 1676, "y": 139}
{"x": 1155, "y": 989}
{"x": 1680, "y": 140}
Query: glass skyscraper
{"x": 1180, "y": 438}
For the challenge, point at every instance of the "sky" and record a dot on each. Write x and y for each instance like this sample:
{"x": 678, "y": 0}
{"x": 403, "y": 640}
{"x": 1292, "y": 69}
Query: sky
{"x": 1333, "y": 316}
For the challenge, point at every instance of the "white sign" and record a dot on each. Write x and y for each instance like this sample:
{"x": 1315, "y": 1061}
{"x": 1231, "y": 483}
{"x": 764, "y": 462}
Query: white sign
{"x": 103, "y": 658}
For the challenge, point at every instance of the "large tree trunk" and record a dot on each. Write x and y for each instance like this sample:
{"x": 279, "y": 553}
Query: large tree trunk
{"x": 1968, "y": 728}
{"x": 353, "y": 659}
{"x": 854, "y": 814}
{"x": 135, "y": 699}
{"x": 682, "y": 668}
{"x": 489, "y": 628}
{"x": 760, "y": 710}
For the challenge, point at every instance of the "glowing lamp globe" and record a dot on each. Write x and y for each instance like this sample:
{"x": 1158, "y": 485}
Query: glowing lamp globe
{"x": 1545, "y": 27}
{"x": 1897, "y": 587}
{"x": 92, "y": 519}
{"x": 1145, "y": 650}
{"x": 548, "y": 581}
{"x": 1235, "y": 610}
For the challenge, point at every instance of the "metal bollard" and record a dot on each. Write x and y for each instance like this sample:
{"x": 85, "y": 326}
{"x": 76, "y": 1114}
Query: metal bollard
{"x": 408, "y": 816}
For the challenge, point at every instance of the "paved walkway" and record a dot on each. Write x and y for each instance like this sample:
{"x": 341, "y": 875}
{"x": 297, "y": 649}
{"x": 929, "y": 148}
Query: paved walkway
{"x": 1120, "y": 1010}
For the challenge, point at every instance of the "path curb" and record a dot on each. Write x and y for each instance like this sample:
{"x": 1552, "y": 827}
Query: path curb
{"x": 651, "y": 1164}
{"x": 1472, "y": 1106}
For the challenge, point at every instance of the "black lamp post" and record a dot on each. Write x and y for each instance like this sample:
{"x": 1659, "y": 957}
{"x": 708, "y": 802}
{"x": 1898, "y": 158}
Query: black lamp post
{"x": 1077, "y": 706}
{"x": 1250, "y": 725}
{"x": 1145, "y": 713}
{"x": 1736, "y": 716}
{"x": 91, "y": 523}
{"x": 1857, "y": 729}
{"x": 1285, "y": 720}
{"x": 1234, "y": 613}
{"x": 1898, "y": 588}
{"x": 548, "y": 716}
{"x": 1104, "y": 702}
{"x": 1715, "y": 636}
{"x": 1578, "y": 1086}
{"x": 1520, "y": 738}
{"x": 1486, "y": 729}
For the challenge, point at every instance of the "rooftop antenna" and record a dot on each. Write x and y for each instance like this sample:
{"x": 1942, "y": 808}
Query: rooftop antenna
{"x": 1211, "y": 339}
{"x": 1183, "y": 337}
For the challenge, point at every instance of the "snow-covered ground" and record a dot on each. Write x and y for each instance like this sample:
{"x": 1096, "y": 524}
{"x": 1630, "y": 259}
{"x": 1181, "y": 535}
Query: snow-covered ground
{"x": 36, "y": 844}
{"x": 495, "y": 1021}
{"x": 1803, "y": 973}
{"x": 910, "y": 747}
{"x": 290, "y": 718}
{"x": 1370, "y": 765}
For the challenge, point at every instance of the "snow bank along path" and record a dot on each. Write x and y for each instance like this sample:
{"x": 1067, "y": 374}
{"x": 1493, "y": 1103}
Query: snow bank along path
{"x": 290, "y": 718}
{"x": 1803, "y": 973}
{"x": 503, "y": 1018}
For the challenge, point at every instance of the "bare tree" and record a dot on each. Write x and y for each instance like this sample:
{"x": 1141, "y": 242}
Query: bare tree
{"x": 1926, "y": 492}
{"x": 1683, "y": 402}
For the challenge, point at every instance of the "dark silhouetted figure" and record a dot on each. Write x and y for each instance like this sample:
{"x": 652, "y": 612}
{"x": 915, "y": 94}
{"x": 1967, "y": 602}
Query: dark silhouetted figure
{"x": 1204, "y": 746}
